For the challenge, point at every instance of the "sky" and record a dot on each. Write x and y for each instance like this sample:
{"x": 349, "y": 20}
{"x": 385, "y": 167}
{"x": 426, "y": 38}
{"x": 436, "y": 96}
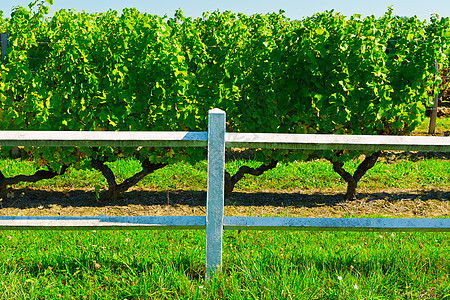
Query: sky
{"x": 293, "y": 9}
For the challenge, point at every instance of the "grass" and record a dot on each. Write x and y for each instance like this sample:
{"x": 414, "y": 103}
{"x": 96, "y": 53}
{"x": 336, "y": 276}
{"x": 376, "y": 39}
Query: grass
{"x": 442, "y": 126}
{"x": 320, "y": 175}
{"x": 257, "y": 265}
{"x": 312, "y": 175}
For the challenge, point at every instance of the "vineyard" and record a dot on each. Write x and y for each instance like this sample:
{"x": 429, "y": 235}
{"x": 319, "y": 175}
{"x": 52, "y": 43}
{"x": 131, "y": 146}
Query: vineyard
{"x": 135, "y": 71}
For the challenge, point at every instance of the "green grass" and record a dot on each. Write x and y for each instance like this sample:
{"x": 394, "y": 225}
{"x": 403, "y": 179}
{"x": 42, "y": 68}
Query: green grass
{"x": 442, "y": 125}
{"x": 256, "y": 265}
{"x": 320, "y": 175}
{"x": 294, "y": 176}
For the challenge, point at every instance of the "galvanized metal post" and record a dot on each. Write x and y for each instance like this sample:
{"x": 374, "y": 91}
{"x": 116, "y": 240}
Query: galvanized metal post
{"x": 215, "y": 190}
{"x": 4, "y": 44}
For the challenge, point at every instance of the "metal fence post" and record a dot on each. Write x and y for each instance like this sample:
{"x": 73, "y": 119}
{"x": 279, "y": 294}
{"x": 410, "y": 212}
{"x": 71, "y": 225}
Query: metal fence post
{"x": 215, "y": 190}
{"x": 4, "y": 44}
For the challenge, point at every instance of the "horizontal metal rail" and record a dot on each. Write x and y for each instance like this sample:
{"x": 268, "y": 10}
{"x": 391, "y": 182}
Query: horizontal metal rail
{"x": 337, "y": 142}
{"x": 337, "y": 224}
{"x": 229, "y": 223}
{"x": 104, "y": 138}
{"x": 237, "y": 140}
{"x": 101, "y": 223}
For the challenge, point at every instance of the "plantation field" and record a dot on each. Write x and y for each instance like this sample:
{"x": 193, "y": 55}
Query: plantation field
{"x": 133, "y": 71}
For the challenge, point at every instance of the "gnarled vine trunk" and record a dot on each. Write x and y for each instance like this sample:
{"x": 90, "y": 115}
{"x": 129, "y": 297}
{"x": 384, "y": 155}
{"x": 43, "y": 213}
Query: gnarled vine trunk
{"x": 230, "y": 181}
{"x": 352, "y": 180}
{"x": 39, "y": 175}
{"x": 114, "y": 189}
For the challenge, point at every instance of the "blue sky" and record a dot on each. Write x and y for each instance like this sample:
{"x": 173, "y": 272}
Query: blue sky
{"x": 294, "y": 9}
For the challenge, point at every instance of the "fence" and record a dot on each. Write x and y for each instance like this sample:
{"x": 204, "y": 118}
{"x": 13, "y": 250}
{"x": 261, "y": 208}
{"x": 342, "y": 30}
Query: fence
{"x": 216, "y": 139}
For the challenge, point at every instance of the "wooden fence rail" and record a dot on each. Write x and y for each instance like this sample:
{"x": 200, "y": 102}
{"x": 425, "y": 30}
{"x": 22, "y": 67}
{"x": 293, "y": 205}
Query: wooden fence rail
{"x": 216, "y": 139}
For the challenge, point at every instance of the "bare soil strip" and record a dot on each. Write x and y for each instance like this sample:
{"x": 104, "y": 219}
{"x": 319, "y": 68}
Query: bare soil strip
{"x": 399, "y": 203}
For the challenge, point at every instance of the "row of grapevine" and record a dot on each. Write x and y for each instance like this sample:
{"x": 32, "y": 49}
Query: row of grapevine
{"x": 136, "y": 71}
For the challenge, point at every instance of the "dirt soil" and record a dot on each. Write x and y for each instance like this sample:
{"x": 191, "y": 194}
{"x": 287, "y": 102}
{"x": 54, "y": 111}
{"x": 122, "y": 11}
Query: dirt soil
{"x": 312, "y": 203}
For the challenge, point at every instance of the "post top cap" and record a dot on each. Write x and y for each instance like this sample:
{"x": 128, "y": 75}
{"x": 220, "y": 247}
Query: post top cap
{"x": 216, "y": 111}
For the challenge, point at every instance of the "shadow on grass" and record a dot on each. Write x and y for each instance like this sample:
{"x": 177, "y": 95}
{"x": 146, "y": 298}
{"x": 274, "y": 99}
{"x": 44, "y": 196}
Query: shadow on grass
{"x": 31, "y": 198}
